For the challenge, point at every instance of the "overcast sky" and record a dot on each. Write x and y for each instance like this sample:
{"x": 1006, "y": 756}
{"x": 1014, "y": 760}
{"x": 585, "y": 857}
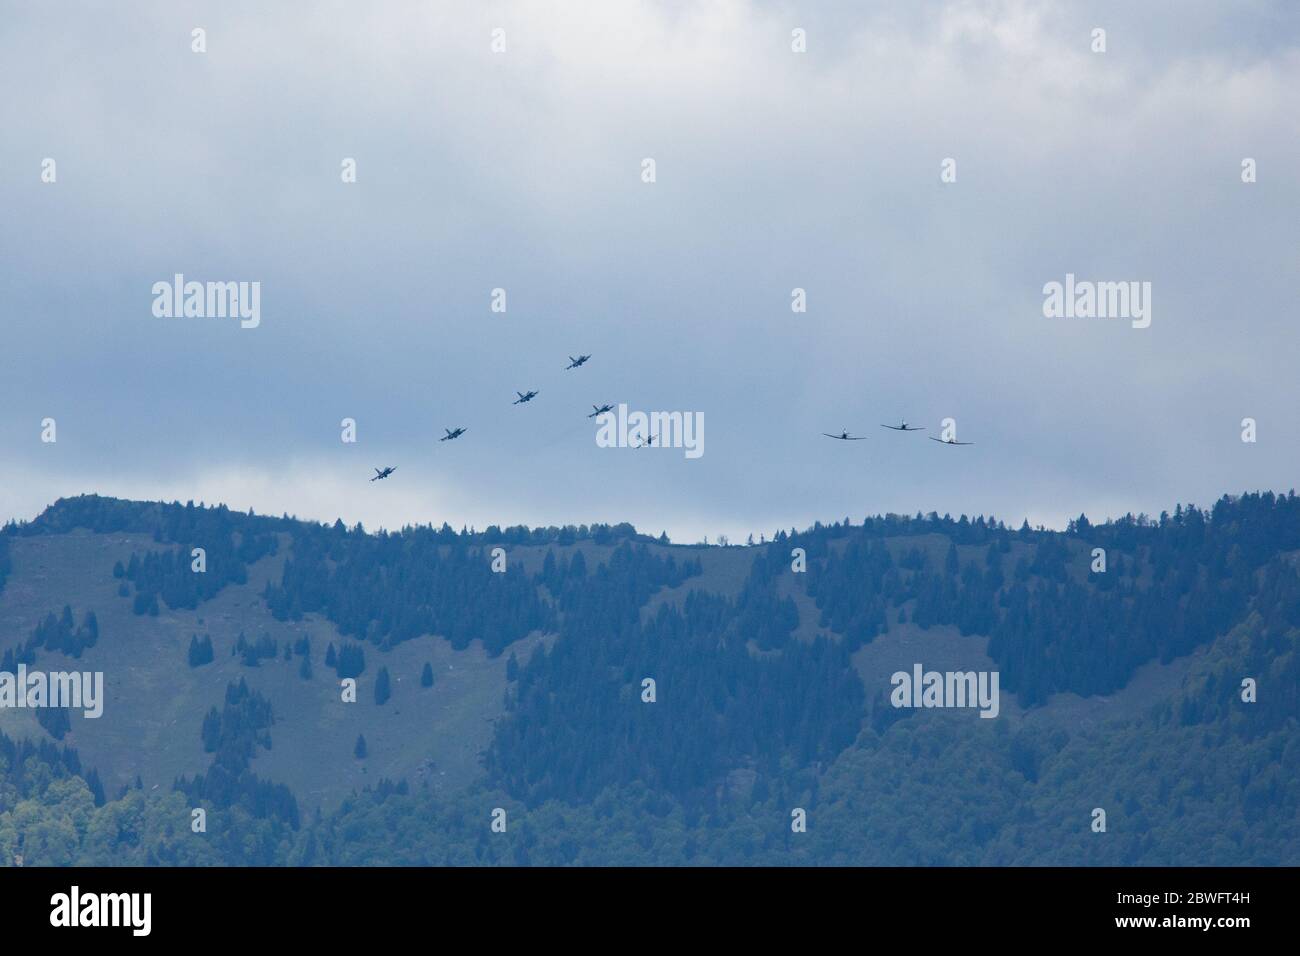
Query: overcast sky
{"x": 775, "y": 170}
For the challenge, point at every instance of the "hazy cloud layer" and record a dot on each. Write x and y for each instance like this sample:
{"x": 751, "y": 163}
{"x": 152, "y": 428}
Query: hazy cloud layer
{"x": 775, "y": 170}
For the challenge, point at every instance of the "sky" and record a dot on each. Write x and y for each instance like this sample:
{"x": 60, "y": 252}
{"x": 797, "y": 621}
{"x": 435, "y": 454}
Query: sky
{"x": 523, "y": 169}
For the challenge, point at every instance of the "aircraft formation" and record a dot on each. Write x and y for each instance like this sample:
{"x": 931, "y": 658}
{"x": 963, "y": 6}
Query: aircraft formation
{"x": 902, "y": 426}
{"x": 581, "y": 360}
{"x": 524, "y": 397}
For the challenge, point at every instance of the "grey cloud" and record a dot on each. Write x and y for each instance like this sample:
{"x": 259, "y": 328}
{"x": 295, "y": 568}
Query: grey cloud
{"x": 775, "y": 171}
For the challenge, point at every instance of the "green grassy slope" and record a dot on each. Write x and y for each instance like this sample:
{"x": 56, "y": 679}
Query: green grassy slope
{"x": 155, "y": 702}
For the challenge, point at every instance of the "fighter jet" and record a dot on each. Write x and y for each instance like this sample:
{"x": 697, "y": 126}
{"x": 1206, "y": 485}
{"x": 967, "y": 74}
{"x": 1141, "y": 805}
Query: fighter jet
{"x": 576, "y": 362}
{"x": 646, "y": 441}
{"x": 949, "y": 441}
{"x": 383, "y": 474}
{"x": 600, "y": 410}
{"x": 452, "y": 434}
{"x": 524, "y": 397}
{"x": 845, "y": 436}
{"x": 902, "y": 426}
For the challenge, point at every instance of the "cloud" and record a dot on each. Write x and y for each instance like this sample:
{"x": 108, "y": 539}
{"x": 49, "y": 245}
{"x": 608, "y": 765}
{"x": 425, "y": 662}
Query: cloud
{"x": 775, "y": 170}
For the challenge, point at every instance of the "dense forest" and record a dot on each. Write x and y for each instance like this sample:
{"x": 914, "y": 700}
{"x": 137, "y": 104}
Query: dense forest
{"x": 6, "y": 565}
{"x": 650, "y": 730}
{"x": 387, "y": 589}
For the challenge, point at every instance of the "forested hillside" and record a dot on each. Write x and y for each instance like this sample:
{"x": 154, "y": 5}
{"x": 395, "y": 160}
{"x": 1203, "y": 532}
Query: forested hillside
{"x": 625, "y": 700}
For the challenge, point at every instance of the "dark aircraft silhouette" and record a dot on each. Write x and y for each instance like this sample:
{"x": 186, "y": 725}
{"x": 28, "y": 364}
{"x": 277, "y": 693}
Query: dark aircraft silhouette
{"x": 524, "y": 397}
{"x": 383, "y": 474}
{"x": 452, "y": 434}
{"x": 601, "y": 410}
{"x": 904, "y": 427}
{"x": 950, "y": 441}
{"x": 576, "y": 362}
{"x": 845, "y": 436}
{"x": 647, "y": 441}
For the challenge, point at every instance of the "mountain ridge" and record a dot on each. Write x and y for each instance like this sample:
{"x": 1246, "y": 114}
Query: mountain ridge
{"x": 769, "y": 678}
